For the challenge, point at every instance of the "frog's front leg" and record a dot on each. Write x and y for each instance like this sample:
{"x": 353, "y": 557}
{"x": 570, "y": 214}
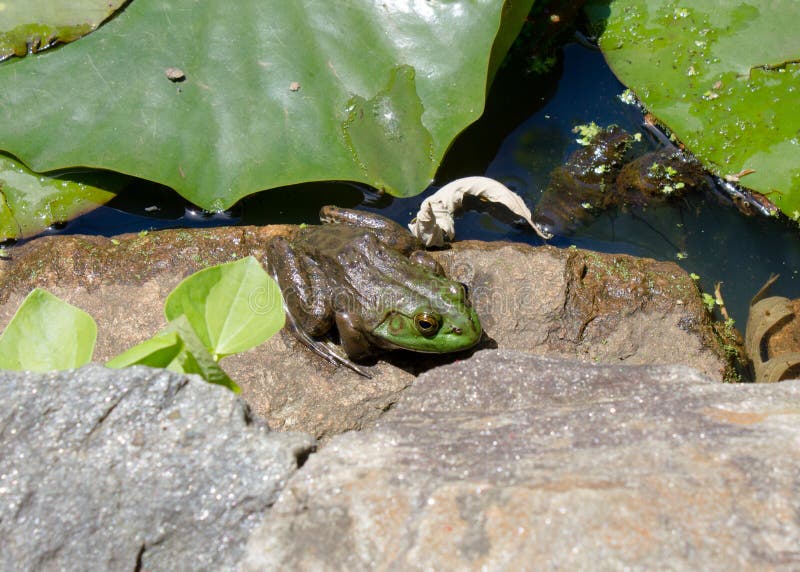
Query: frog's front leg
{"x": 354, "y": 343}
{"x": 302, "y": 284}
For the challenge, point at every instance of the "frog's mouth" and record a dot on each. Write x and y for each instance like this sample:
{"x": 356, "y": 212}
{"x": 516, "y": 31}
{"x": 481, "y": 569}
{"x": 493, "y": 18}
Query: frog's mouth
{"x": 429, "y": 333}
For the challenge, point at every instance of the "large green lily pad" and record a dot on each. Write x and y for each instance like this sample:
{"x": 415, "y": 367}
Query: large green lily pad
{"x": 220, "y": 100}
{"x": 30, "y": 202}
{"x": 723, "y": 76}
{"x": 33, "y": 25}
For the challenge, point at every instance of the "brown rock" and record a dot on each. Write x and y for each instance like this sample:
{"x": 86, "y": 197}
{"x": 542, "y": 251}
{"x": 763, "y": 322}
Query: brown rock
{"x": 509, "y": 461}
{"x": 573, "y": 303}
{"x": 597, "y": 307}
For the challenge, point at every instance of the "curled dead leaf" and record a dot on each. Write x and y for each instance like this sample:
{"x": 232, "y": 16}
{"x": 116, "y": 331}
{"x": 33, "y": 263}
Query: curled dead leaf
{"x": 434, "y": 224}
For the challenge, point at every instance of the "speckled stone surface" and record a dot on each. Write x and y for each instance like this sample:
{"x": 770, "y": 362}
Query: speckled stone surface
{"x": 509, "y": 461}
{"x": 134, "y": 469}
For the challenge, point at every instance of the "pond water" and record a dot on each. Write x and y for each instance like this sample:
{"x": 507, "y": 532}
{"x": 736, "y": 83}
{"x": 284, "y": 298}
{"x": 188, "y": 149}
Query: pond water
{"x": 524, "y": 134}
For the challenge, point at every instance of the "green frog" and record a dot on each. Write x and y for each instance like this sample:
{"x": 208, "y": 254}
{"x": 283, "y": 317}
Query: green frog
{"x": 361, "y": 273}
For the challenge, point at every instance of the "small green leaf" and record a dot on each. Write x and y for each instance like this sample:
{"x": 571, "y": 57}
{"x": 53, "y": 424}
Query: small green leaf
{"x": 159, "y": 351}
{"x": 196, "y": 359}
{"x": 232, "y": 307}
{"x": 176, "y": 348}
{"x": 47, "y": 334}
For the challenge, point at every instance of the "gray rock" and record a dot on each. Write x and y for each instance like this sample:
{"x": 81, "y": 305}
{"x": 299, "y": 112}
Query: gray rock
{"x": 509, "y": 461}
{"x": 135, "y": 469}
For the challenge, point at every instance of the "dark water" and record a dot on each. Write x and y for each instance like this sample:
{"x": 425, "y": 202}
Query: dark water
{"x": 525, "y": 132}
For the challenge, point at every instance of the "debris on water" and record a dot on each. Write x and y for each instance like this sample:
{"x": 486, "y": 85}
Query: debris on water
{"x": 175, "y": 74}
{"x": 734, "y": 177}
{"x": 586, "y": 132}
{"x": 585, "y": 179}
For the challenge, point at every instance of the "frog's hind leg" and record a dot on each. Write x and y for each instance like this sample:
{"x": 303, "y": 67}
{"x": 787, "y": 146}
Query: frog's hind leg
{"x": 388, "y": 232}
{"x": 323, "y": 347}
{"x": 308, "y": 314}
{"x": 301, "y": 281}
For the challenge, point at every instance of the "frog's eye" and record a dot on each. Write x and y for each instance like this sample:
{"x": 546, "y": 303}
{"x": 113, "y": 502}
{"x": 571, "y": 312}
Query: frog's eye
{"x": 427, "y": 324}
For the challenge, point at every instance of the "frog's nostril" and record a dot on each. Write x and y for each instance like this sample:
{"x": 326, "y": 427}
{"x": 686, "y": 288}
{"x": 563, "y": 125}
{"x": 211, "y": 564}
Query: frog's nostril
{"x": 456, "y": 331}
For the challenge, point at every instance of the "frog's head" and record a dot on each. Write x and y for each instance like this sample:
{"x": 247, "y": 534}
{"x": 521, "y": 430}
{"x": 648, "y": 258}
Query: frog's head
{"x": 446, "y": 322}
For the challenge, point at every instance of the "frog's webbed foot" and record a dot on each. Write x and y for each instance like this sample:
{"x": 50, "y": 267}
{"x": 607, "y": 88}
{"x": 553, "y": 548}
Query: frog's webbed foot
{"x": 388, "y": 232}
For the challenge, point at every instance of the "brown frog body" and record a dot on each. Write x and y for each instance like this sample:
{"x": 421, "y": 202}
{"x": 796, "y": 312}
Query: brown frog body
{"x": 358, "y": 275}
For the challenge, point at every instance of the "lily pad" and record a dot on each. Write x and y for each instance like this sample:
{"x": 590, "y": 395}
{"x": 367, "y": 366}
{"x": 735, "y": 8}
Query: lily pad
{"x": 38, "y": 24}
{"x": 219, "y": 103}
{"x": 723, "y": 76}
{"x": 30, "y": 202}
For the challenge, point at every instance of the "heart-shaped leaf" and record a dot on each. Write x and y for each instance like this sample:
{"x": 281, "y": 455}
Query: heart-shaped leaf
{"x": 47, "y": 334}
{"x": 232, "y": 307}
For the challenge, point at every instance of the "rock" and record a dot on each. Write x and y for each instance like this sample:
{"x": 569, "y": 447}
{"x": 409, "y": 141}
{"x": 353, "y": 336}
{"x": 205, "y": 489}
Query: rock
{"x": 607, "y": 308}
{"x": 571, "y": 303}
{"x": 135, "y": 469}
{"x": 509, "y": 461}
